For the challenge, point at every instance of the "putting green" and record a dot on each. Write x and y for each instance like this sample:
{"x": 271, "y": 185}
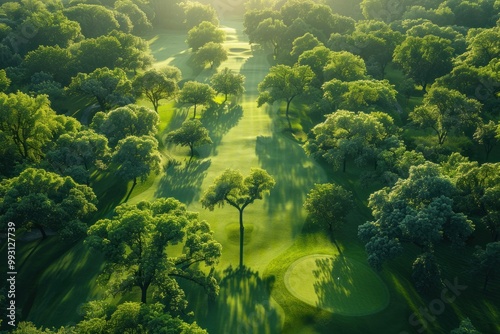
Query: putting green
{"x": 337, "y": 284}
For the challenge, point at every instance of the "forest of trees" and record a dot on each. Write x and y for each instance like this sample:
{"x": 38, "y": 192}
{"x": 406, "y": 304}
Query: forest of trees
{"x": 406, "y": 95}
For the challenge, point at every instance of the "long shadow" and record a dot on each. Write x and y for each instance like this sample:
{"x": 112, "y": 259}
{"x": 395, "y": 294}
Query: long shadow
{"x": 334, "y": 282}
{"x": 183, "y": 181}
{"x": 243, "y": 305}
{"x": 293, "y": 170}
{"x": 219, "y": 120}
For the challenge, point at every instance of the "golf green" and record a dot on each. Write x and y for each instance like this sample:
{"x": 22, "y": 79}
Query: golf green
{"x": 337, "y": 284}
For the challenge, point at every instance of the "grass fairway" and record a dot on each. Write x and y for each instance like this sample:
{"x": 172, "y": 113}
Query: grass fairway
{"x": 337, "y": 284}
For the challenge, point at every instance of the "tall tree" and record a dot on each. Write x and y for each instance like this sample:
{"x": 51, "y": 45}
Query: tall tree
{"x": 44, "y": 200}
{"x": 487, "y": 262}
{"x": 346, "y": 134}
{"x": 196, "y": 93}
{"x": 417, "y": 210}
{"x": 191, "y": 133}
{"x": 109, "y": 87}
{"x": 196, "y": 12}
{"x": 77, "y": 154}
{"x": 328, "y": 205}
{"x": 444, "y": 111}
{"x": 94, "y": 20}
{"x": 284, "y": 83}
{"x": 227, "y": 82}
{"x": 212, "y": 54}
{"x": 424, "y": 59}
{"x": 136, "y": 157}
{"x": 270, "y": 32}
{"x": 155, "y": 85}
{"x": 131, "y": 120}
{"x": 232, "y": 188}
{"x": 204, "y": 33}
{"x": 27, "y": 124}
{"x": 136, "y": 245}
{"x": 486, "y": 135}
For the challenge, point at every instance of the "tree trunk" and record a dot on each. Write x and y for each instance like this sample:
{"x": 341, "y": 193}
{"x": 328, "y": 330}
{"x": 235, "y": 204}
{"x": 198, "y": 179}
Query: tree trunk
{"x": 242, "y": 235}
{"x": 287, "y": 113}
{"x": 155, "y": 105}
{"x": 191, "y": 147}
{"x": 144, "y": 290}
{"x": 42, "y": 231}
{"x": 194, "y": 116}
{"x": 225, "y": 98}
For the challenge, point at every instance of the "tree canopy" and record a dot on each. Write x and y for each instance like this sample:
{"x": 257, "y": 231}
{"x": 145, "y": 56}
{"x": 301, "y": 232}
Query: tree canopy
{"x": 232, "y": 188}
{"x": 228, "y": 83}
{"x": 137, "y": 246}
{"x": 155, "y": 85}
{"x": 284, "y": 83}
{"x": 204, "y": 33}
{"x": 44, "y": 200}
{"x": 191, "y": 133}
{"x": 196, "y": 93}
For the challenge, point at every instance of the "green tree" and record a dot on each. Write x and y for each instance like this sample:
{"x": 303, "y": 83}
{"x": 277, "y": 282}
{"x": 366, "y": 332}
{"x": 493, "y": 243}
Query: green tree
{"x": 212, "y": 54}
{"x": 191, "y": 133}
{"x": 196, "y": 13}
{"x": 417, "y": 210}
{"x": 54, "y": 60}
{"x": 132, "y": 317}
{"x": 77, "y": 154}
{"x": 346, "y": 134}
{"x": 155, "y": 85}
{"x": 136, "y": 246}
{"x": 136, "y": 157}
{"x": 445, "y": 111}
{"x": 141, "y": 23}
{"x": 196, "y": 93}
{"x": 44, "y": 200}
{"x": 487, "y": 262}
{"x": 328, "y": 205}
{"x": 4, "y": 81}
{"x": 270, "y": 32}
{"x": 466, "y": 327}
{"x": 364, "y": 95}
{"x": 204, "y": 33}
{"x": 344, "y": 66}
{"x": 424, "y": 59}
{"x": 227, "y": 82}
{"x": 426, "y": 273}
{"x": 27, "y": 124}
{"x": 131, "y": 120}
{"x": 486, "y": 135}
{"x": 483, "y": 45}
{"x": 254, "y": 17}
{"x": 304, "y": 43}
{"x": 284, "y": 83}
{"x": 316, "y": 58}
{"x": 109, "y": 87}
{"x": 94, "y": 20}
{"x": 232, "y": 188}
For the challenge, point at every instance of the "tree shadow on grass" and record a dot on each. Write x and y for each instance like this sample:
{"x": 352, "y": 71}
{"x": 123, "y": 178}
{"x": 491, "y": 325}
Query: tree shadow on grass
{"x": 295, "y": 174}
{"x": 183, "y": 181}
{"x": 219, "y": 119}
{"x": 243, "y": 305}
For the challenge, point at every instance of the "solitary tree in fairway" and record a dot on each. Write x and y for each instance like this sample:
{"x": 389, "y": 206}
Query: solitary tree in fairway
{"x": 284, "y": 83}
{"x": 328, "y": 205}
{"x": 155, "y": 85}
{"x": 136, "y": 246}
{"x": 232, "y": 188}
{"x": 227, "y": 82}
{"x": 195, "y": 93}
{"x": 191, "y": 133}
{"x": 137, "y": 157}
{"x": 212, "y": 54}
